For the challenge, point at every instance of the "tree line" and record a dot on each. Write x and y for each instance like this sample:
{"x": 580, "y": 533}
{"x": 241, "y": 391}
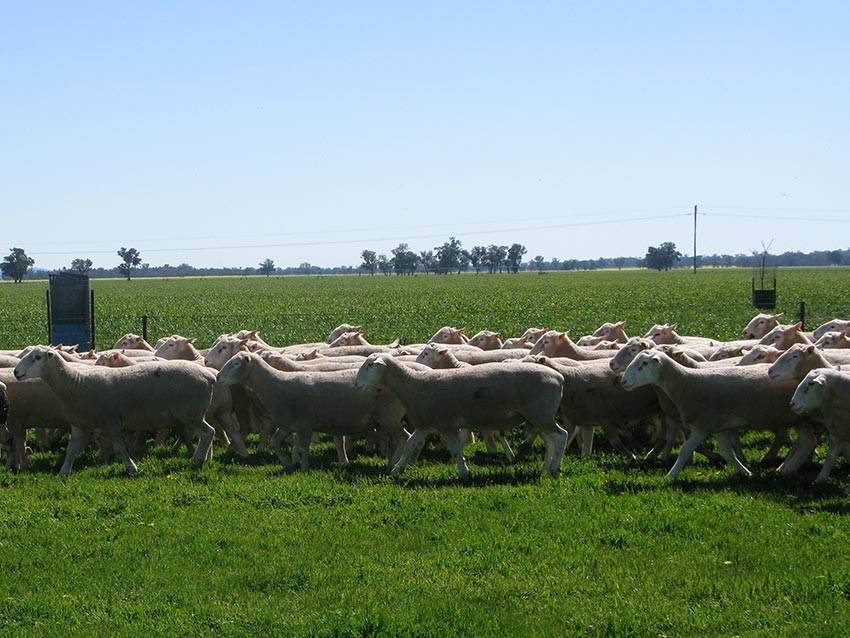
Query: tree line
{"x": 449, "y": 257}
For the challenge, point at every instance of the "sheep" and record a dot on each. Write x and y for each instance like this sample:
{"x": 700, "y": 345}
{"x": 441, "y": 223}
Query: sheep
{"x": 783, "y": 337}
{"x": 349, "y": 339}
{"x": 760, "y": 325}
{"x": 835, "y": 325}
{"x": 447, "y": 334}
{"x": 827, "y": 390}
{"x": 221, "y": 408}
{"x": 612, "y": 332}
{"x": 8, "y": 361}
{"x": 714, "y": 401}
{"x": 115, "y": 359}
{"x": 607, "y": 345}
{"x": 329, "y": 364}
{"x": 833, "y": 340}
{"x": 343, "y": 327}
{"x": 759, "y": 354}
{"x": 132, "y": 341}
{"x": 486, "y": 340}
{"x": 146, "y": 396}
{"x": 485, "y": 397}
{"x": 593, "y": 396}
{"x": 589, "y": 340}
{"x": 439, "y": 357}
{"x": 666, "y": 334}
{"x": 31, "y": 403}
{"x": 533, "y": 334}
{"x": 523, "y": 342}
{"x": 798, "y": 360}
{"x": 302, "y": 402}
{"x": 559, "y": 344}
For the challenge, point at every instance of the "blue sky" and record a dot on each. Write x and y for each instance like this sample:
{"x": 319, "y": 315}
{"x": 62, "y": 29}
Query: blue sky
{"x": 219, "y": 134}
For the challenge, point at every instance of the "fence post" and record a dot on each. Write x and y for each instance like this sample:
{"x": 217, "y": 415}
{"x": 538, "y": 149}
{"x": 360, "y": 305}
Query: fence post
{"x": 803, "y": 314}
{"x": 93, "y": 346}
{"x": 145, "y": 327}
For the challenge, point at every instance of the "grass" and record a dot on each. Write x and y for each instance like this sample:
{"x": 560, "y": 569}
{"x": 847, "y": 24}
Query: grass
{"x": 250, "y": 549}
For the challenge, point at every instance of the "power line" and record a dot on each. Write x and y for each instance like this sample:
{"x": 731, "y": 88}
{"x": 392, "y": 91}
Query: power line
{"x": 337, "y": 242}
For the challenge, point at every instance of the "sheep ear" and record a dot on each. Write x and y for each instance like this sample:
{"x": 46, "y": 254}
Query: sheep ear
{"x": 674, "y": 326}
{"x": 50, "y": 354}
{"x": 798, "y": 326}
{"x": 779, "y": 316}
{"x": 115, "y": 356}
{"x": 395, "y": 344}
{"x": 621, "y": 324}
{"x": 657, "y": 357}
{"x": 190, "y": 340}
{"x": 810, "y": 349}
{"x": 244, "y": 342}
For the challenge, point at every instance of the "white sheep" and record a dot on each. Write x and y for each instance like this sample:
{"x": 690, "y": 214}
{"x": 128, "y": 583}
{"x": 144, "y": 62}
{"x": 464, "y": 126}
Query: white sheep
{"x": 448, "y": 334}
{"x": 833, "y": 340}
{"x": 559, "y": 344}
{"x": 486, "y": 340}
{"x": 827, "y": 391}
{"x": 476, "y": 397}
{"x": 834, "y": 325}
{"x": 146, "y": 396}
{"x": 612, "y": 332}
{"x": 783, "y": 337}
{"x": 132, "y": 341}
{"x": 760, "y": 325}
{"x": 714, "y": 401}
{"x": 759, "y": 354}
{"x": 304, "y": 402}
{"x": 343, "y": 327}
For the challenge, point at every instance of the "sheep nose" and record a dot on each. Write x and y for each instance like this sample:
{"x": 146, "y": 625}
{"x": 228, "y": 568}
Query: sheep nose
{"x": 18, "y": 375}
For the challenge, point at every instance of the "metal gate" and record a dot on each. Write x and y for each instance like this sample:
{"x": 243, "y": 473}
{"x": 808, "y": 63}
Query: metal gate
{"x": 70, "y": 310}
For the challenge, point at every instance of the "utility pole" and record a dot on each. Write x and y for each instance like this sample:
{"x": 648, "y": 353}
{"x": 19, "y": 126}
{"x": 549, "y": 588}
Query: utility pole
{"x": 695, "y": 239}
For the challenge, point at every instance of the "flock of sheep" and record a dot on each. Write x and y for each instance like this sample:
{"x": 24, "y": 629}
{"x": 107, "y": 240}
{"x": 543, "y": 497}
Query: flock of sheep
{"x": 777, "y": 378}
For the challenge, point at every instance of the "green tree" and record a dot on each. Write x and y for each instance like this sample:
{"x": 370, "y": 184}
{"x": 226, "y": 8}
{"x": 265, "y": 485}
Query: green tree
{"x": 538, "y": 263}
{"x": 81, "y": 266}
{"x": 266, "y": 267}
{"x": 477, "y": 256}
{"x": 404, "y": 260}
{"x": 662, "y": 257}
{"x": 834, "y": 257}
{"x": 495, "y": 257}
{"x": 385, "y": 265}
{"x": 131, "y": 258}
{"x": 449, "y": 256}
{"x": 370, "y": 261}
{"x": 428, "y": 261}
{"x": 514, "y": 257}
{"x": 16, "y": 264}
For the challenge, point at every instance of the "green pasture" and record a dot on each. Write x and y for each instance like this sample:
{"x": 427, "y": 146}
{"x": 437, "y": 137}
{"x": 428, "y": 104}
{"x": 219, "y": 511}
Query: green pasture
{"x": 247, "y": 548}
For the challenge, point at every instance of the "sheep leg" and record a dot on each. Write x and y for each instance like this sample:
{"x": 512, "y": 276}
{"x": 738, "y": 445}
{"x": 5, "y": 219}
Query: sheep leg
{"x": 801, "y": 451}
{"x": 559, "y": 445}
{"x": 456, "y": 448}
{"x": 410, "y": 447}
{"x": 726, "y": 443}
{"x": 780, "y": 439}
{"x": 206, "y": 432}
{"x": 77, "y": 439}
{"x": 686, "y": 452}
{"x": 614, "y": 439}
{"x": 339, "y": 444}
{"x": 230, "y": 434}
{"x": 735, "y": 439}
{"x": 302, "y": 445}
{"x": 275, "y": 442}
{"x": 120, "y": 447}
{"x": 490, "y": 442}
{"x": 586, "y": 437}
{"x": 18, "y": 449}
{"x": 835, "y": 448}
{"x": 506, "y": 447}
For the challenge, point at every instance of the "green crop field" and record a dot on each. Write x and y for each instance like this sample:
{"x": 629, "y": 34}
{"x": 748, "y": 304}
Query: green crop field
{"x": 248, "y": 548}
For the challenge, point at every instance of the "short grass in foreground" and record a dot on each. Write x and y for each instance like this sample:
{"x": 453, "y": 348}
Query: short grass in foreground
{"x": 239, "y": 549}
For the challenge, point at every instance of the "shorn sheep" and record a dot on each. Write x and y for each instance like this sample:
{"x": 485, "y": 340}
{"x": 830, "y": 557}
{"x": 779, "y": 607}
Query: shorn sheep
{"x": 146, "y": 396}
{"x": 487, "y": 397}
{"x": 304, "y": 402}
{"x": 714, "y": 401}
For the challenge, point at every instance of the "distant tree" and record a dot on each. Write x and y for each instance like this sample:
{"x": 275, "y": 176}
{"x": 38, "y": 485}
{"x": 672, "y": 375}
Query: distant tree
{"x": 538, "y": 263}
{"x": 514, "y": 257}
{"x": 428, "y": 261}
{"x": 370, "y": 261}
{"x": 404, "y": 260}
{"x": 266, "y": 267}
{"x": 16, "y": 264}
{"x": 496, "y": 257}
{"x": 555, "y": 263}
{"x": 448, "y": 255}
{"x": 385, "y": 265}
{"x": 477, "y": 256}
{"x": 662, "y": 257}
{"x": 81, "y": 266}
{"x": 619, "y": 262}
{"x": 306, "y": 267}
{"x": 131, "y": 258}
{"x": 834, "y": 257}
